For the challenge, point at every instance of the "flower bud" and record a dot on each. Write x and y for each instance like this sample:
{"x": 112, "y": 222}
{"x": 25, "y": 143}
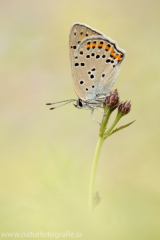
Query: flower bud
{"x": 112, "y": 101}
{"x": 124, "y": 107}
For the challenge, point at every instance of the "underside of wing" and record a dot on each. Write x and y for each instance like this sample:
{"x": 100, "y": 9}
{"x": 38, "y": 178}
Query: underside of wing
{"x": 95, "y": 65}
{"x": 78, "y": 32}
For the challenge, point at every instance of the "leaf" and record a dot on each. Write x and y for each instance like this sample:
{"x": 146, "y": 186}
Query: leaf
{"x": 118, "y": 129}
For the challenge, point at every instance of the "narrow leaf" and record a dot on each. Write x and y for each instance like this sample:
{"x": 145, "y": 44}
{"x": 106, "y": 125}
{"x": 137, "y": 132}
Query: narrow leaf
{"x": 118, "y": 129}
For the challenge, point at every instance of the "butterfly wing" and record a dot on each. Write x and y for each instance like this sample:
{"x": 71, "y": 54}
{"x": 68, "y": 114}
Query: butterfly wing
{"x": 78, "y": 32}
{"x": 95, "y": 65}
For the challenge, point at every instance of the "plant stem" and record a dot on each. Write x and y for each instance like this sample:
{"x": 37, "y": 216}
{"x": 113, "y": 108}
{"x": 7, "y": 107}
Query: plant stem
{"x": 113, "y": 125}
{"x": 105, "y": 119}
{"x": 93, "y": 172}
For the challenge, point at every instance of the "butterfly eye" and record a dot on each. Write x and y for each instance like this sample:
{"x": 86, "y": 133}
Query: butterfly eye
{"x": 80, "y": 104}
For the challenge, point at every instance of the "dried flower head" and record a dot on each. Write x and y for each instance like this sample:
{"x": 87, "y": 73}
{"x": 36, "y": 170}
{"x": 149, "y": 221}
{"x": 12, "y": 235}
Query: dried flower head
{"x": 124, "y": 107}
{"x": 112, "y": 101}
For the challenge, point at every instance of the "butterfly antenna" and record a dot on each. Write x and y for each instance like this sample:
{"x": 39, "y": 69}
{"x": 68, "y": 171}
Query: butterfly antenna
{"x": 69, "y": 100}
{"x": 66, "y": 102}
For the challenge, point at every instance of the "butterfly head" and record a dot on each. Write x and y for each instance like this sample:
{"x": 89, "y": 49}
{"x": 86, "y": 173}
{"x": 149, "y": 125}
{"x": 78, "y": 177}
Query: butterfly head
{"x": 80, "y": 104}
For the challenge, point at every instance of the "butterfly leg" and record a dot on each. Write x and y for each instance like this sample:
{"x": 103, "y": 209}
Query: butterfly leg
{"x": 92, "y": 116}
{"x": 98, "y": 110}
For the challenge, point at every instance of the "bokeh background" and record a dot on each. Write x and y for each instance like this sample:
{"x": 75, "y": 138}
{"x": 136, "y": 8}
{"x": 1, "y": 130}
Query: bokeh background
{"x": 46, "y": 156}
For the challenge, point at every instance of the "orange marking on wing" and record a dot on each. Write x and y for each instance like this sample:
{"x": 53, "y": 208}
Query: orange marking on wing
{"x": 118, "y": 57}
{"x": 94, "y": 44}
{"x": 100, "y": 44}
{"x": 115, "y": 56}
{"x": 108, "y": 47}
{"x": 88, "y": 46}
{"x": 112, "y": 54}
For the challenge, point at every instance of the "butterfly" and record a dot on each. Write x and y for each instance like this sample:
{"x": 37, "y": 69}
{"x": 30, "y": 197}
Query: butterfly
{"x": 95, "y": 62}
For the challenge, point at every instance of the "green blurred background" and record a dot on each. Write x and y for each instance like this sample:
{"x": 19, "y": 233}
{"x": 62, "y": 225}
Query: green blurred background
{"x": 46, "y": 156}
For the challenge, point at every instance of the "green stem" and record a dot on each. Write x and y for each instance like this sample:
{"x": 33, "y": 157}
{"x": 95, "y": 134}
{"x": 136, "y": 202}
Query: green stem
{"x": 107, "y": 113}
{"x": 93, "y": 172}
{"x": 113, "y": 125}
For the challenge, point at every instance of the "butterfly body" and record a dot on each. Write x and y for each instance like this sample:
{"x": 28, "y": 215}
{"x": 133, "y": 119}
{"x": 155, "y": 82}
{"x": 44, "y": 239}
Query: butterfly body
{"x": 90, "y": 103}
